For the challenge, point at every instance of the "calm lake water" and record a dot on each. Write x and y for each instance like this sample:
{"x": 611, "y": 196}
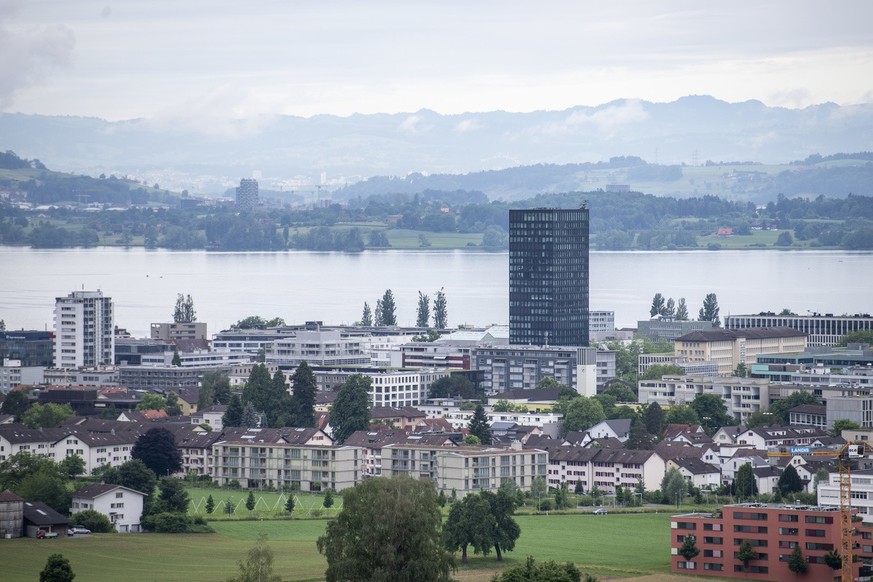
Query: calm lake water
{"x": 332, "y": 287}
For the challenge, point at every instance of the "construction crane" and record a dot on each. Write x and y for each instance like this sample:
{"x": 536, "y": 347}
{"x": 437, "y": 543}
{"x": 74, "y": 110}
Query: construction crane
{"x": 850, "y": 452}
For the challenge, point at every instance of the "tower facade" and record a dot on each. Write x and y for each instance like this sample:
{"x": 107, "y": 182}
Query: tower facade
{"x": 247, "y": 194}
{"x": 548, "y": 276}
{"x": 84, "y": 330}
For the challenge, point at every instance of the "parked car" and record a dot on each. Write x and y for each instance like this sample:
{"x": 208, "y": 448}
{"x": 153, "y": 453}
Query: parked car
{"x": 601, "y": 511}
{"x": 78, "y": 529}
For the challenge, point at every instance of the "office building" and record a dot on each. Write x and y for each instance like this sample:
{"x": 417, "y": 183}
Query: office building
{"x": 84, "y": 330}
{"x": 29, "y": 348}
{"x": 822, "y": 330}
{"x": 548, "y": 276}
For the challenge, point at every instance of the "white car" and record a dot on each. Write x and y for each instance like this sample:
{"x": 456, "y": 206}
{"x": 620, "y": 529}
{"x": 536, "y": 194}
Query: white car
{"x": 78, "y": 529}
{"x": 601, "y": 511}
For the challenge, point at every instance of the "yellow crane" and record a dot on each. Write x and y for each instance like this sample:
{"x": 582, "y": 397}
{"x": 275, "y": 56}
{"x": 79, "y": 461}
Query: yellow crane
{"x": 850, "y": 452}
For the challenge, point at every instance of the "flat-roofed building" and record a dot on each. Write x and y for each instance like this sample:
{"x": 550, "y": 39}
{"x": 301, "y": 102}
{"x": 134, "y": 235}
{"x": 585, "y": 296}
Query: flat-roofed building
{"x": 741, "y": 396}
{"x": 821, "y": 330}
{"x": 193, "y": 330}
{"x": 730, "y": 348}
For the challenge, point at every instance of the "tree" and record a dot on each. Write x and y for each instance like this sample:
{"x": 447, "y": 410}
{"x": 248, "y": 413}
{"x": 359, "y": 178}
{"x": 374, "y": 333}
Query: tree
{"x": 784, "y": 239}
{"x": 746, "y": 553}
{"x": 638, "y": 437}
{"x": 780, "y": 408}
{"x": 709, "y": 311}
{"x": 538, "y": 489}
{"x": 367, "y": 316}
{"x": 422, "y": 318}
{"x": 681, "y": 415}
{"x": 479, "y": 426}
{"x": 440, "y": 311}
{"x": 388, "y": 529}
{"x": 653, "y": 418}
{"x": 797, "y": 562}
{"x": 48, "y": 415}
{"x": 303, "y": 387}
{"x": 94, "y": 521}
{"x": 389, "y": 315}
{"x": 581, "y": 413}
{"x": 504, "y": 405}
{"x": 689, "y": 549}
{"x": 229, "y": 507}
{"x": 57, "y": 569}
{"x": 327, "y": 502}
{"x": 789, "y": 481}
{"x": 454, "y": 385}
{"x": 258, "y": 566}
{"x": 681, "y": 310}
{"x": 72, "y": 466}
{"x": 670, "y": 308}
{"x": 173, "y": 497}
{"x": 233, "y": 416}
{"x": 833, "y": 560}
{"x": 673, "y": 487}
{"x": 377, "y": 314}
{"x": 862, "y": 336}
{"x": 531, "y": 571}
{"x": 712, "y": 412}
{"x": 289, "y": 504}
{"x": 562, "y": 497}
{"x": 658, "y": 371}
{"x": 258, "y": 390}
{"x": 350, "y": 410}
{"x": 657, "y": 305}
{"x": 16, "y": 404}
{"x": 745, "y": 484}
{"x": 48, "y": 486}
{"x": 151, "y": 401}
{"x": 184, "y": 310}
{"x": 250, "y": 501}
{"x": 134, "y": 474}
{"x": 157, "y": 450}
{"x": 251, "y": 418}
{"x": 844, "y": 424}
{"x": 506, "y": 530}
{"x": 470, "y": 523}
{"x": 210, "y": 504}
{"x": 214, "y": 389}
{"x": 177, "y": 359}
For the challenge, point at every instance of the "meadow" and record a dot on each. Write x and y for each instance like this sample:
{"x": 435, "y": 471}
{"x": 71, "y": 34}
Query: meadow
{"x": 616, "y": 546}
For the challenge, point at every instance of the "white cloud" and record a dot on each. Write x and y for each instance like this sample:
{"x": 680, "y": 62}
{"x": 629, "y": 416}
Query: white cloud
{"x": 27, "y": 56}
{"x": 465, "y": 125}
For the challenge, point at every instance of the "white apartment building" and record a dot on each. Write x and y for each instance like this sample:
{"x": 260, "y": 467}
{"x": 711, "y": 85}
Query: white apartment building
{"x": 388, "y": 387}
{"x": 741, "y": 396}
{"x": 100, "y": 377}
{"x": 461, "y": 418}
{"x": 862, "y": 493}
{"x": 84, "y": 330}
{"x": 13, "y": 374}
{"x": 605, "y": 468}
{"x": 729, "y": 348}
{"x": 321, "y": 347}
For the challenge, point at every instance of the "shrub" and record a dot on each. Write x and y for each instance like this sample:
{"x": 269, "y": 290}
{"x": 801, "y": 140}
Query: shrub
{"x": 546, "y": 505}
{"x": 174, "y": 522}
{"x": 93, "y": 520}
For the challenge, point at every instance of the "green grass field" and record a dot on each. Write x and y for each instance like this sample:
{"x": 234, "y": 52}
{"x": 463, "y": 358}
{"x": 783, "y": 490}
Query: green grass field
{"x": 614, "y": 545}
{"x": 268, "y": 505}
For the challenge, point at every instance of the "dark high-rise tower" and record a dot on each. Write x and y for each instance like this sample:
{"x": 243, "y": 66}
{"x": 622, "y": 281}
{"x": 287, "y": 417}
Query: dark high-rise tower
{"x": 548, "y": 276}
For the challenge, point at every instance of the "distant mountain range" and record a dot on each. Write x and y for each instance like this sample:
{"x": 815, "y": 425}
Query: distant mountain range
{"x": 293, "y": 153}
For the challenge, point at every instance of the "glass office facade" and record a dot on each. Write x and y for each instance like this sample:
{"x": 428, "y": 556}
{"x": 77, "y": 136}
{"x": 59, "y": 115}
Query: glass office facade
{"x": 548, "y": 276}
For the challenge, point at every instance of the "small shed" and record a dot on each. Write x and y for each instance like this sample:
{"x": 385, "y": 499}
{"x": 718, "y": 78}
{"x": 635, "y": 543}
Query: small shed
{"x": 40, "y": 517}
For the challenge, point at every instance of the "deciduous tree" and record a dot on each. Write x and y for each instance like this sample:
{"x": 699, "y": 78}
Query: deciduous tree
{"x": 709, "y": 311}
{"x": 367, "y": 316}
{"x": 550, "y": 571}
{"x": 258, "y": 566}
{"x": 184, "y": 310}
{"x": 745, "y": 485}
{"x": 657, "y": 305}
{"x": 157, "y": 450}
{"x": 47, "y": 415}
{"x": 673, "y": 487}
{"x": 797, "y": 562}
{"x": 681, "y": 310}
{"x": 581, "y": 413}
{"x": 388, "y": 529}
{"x": 389, "y": 309}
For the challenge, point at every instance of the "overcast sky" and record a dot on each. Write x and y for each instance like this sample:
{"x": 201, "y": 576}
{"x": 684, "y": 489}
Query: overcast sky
{"x": 213, "y": 59}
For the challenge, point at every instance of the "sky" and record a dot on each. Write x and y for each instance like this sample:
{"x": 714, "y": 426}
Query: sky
{"x": 205, "y": 61}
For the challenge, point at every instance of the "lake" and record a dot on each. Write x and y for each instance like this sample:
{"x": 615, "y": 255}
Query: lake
{"x": 332, "y": 287}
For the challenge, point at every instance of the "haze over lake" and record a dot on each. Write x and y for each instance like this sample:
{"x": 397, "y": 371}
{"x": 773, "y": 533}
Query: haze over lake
{"x": 332, "y": 287}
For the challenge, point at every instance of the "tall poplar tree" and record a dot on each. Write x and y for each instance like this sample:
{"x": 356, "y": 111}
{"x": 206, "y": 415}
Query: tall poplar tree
{"x": 389, "y": 309}
{"x": 423, "y": 315}
{"x": 440, "y": 310}
{"x": 367, "y": 316}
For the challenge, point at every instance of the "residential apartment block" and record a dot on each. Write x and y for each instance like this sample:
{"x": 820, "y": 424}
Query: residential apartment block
{"x": 389, "y": 387}
{"x": 512, "y": 367}
{"x": 194, "y": 330}
{"x": 772, "y": 530}
{"x": 741, "y": 396}
{"x": 604, "y": 468}
{"x": 84, "y": 330}
{"x": 301, "y": 459}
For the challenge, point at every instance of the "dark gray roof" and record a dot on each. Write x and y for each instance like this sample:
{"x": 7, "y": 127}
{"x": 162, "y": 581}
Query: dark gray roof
{"x": 378, "y": 412}
{"x": 96, "y": 490}
{"x": 715, "y": 335}
{"x": 38, "y": 513}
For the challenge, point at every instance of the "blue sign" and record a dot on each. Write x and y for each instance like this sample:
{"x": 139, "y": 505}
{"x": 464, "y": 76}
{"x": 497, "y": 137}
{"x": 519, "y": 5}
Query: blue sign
{"x": 797, "y": 450}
